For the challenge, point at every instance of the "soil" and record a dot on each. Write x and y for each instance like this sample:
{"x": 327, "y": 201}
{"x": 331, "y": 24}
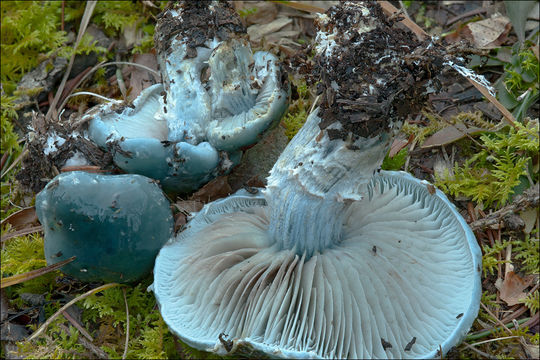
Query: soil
{"x": 199, "y": 21}
{"x": 386, "y": 86}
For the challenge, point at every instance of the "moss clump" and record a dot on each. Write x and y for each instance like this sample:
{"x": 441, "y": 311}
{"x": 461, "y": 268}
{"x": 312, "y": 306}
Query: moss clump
{"x": 298, "y": 110}
{"x": 500, "y": 168}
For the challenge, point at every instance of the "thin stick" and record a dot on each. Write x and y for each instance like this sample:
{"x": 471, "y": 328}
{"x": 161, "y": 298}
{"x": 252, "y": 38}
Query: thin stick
{"x": 17, "y": 279}
{"x": 100, "y": 354}
{"x": 529, "y": 199}
{"x": 127, "y": 326}
{"x": 17, "y": 160}
{"x": 120, "y": 79}
{"x": 156, "y": 74}
{"x": 77, "y": 326}
{"x": 67, "y": 305}
{"x": 497, "y": 339}
{"x": 486, "y": 355}
{"x": 91, "y": 94}
{"x": 31, "y": 230}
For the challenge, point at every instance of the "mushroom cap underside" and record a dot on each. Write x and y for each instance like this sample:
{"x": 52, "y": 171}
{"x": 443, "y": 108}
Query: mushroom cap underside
{"x": 403, "y": 283}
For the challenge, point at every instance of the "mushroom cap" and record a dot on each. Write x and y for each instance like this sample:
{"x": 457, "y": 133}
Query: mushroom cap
{"x": 114, "y": 224}
{"x": 403, "y": 282}
{"x": 246, "y": 102}
{"x": 138, "y": 137}
{"x": 175, "y": 132}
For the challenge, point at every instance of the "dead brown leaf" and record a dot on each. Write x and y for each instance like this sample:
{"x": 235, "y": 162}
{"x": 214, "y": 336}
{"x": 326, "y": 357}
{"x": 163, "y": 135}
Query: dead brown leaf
{"x": 490, "y": 33}
{"x": 396, "y": 146}
{"x": 450, "y": 134}
{"x": 139, "y": 78}
{"x": 25, "y": 218}
{"x": 215, "y": 189}
{"x": 189, "y": 206}
{"x": 511, "y": 289}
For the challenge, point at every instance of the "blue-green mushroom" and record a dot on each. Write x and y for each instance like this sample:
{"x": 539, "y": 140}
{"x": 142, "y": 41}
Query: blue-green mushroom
{"x": 217, "y": 98}
{"x": 114, "y": 224}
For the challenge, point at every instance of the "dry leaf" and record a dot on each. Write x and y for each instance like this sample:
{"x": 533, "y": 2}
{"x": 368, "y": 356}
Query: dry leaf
{"x": 189, "y": 206}
{"x": 490, "y": 33}
{"x": 450, "y": 134}
{"x": 215, "y": 189}
{"x": 530, "y": 217}
{"x": 511, "y": 289}
{"x": 140, "y": 78}
{"x": 25, "y": 218}
{"x": 396, "y": 147}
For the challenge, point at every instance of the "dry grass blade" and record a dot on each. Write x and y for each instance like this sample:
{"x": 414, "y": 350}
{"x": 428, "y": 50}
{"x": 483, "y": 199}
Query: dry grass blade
{"x": 67, "y": 305}
{"x": 491, "y": 340}
{"x": 17, "y": 160}
{"x": 17, "y": 279}
{"x": 156, "y": 74}
{"x": 127, "y": 325}
{"x": 22, "y": 232}
{"x": 90, "y": 5}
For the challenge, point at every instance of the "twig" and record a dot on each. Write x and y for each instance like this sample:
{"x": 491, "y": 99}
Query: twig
{"x": 22, "y": 232}
{"x": 17, "y": 279}
{"x": 157, "y": 76}
{"x": 17, "y": 160}
{"x": 486, "y": 355}
{"x": 120, "y": 79}
{"x": 77, "y": 326}
{"x": 100, "y": 354}
{"x": 127, "y": 325}
{"x": 491, "y": 340}
{"x": 390, "y": 9}
{"x": 496, "y": 319}
{"x": 515, "y": 314}
{"x": 67, "y": 305}
{"x": 529, "y": 199}
{"x": 532, "y": 321}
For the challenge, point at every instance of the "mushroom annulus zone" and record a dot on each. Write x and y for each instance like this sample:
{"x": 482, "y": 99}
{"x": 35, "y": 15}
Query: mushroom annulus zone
{"x": 334, "y": 259}
{"x": 217, "y": 98}
{"x": 114, "y": 224}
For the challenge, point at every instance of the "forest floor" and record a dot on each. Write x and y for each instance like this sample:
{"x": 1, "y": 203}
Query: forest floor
{"x": 481, "y": 150}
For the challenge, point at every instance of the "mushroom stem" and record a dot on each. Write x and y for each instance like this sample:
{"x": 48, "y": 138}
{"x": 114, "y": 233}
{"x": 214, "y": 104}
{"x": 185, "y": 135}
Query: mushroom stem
{"x": 331, "y": 175}
{"x": 329, "y": 163}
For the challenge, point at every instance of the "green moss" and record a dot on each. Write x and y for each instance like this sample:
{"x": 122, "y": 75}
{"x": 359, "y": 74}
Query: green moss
{"x": 499, "y": 169}
{"x": 23, "y": 254}
{"x": 396, "y": 162}
{"x": 298, "y": 110}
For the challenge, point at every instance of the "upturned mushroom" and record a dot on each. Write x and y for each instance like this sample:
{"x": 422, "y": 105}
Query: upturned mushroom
{"x": 334, "y": 259}
{"x": 217, "y": 98}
